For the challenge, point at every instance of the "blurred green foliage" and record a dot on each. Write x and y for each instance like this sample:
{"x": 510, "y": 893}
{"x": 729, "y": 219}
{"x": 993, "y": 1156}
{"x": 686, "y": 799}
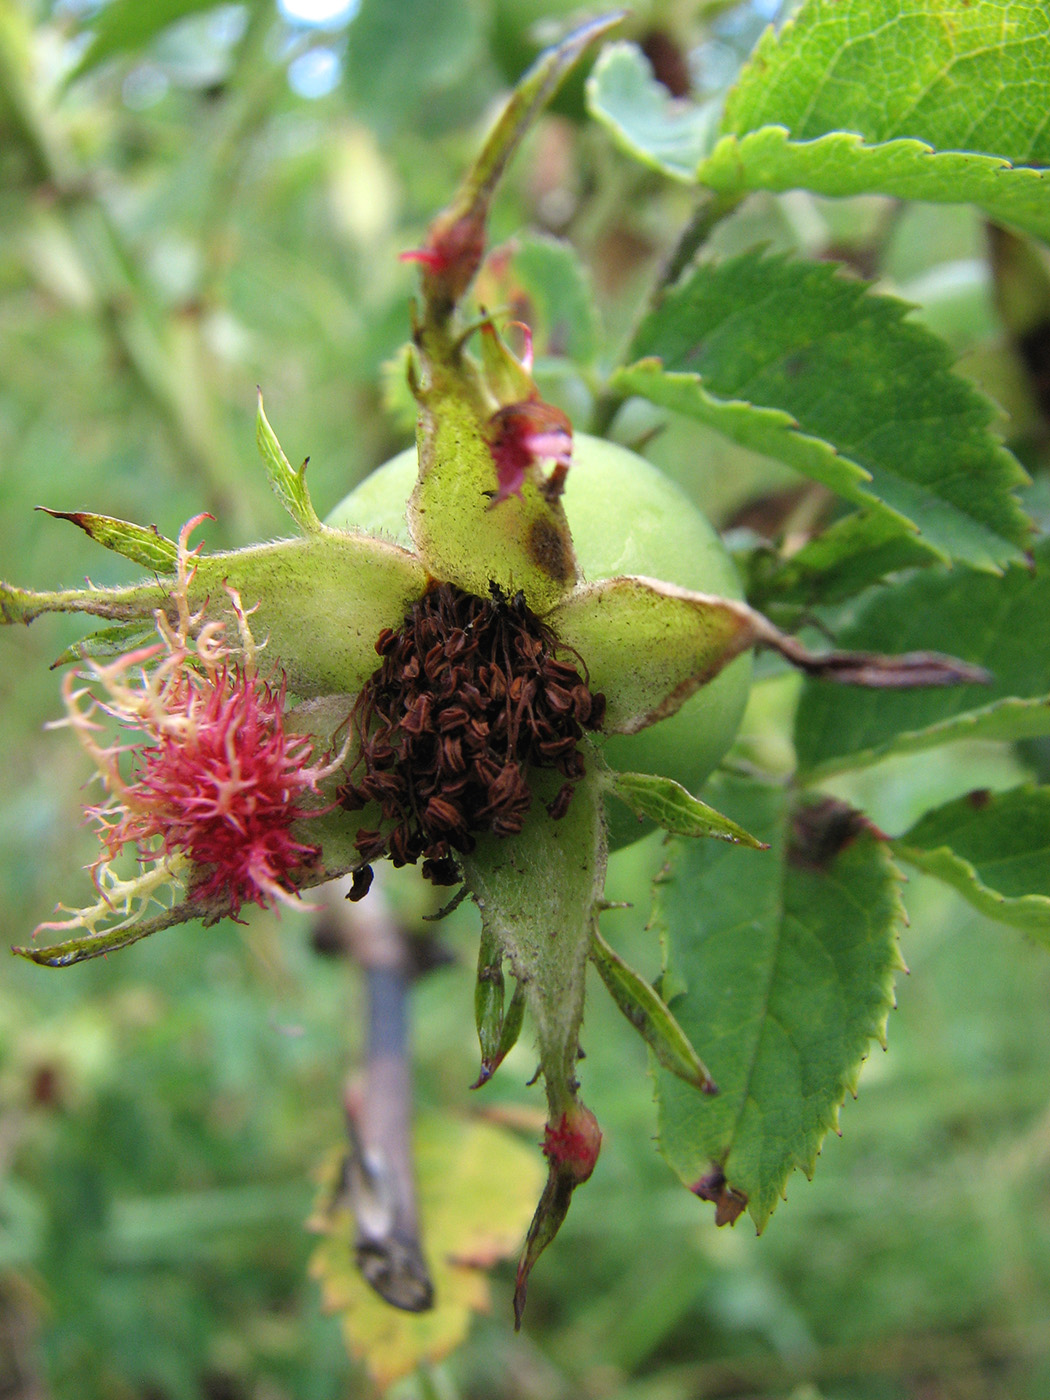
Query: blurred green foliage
{"x": 197, "y": 199}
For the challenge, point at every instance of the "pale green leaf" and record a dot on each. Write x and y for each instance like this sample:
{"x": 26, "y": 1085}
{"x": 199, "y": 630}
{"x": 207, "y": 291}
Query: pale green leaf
{"x": 962, "y": 75}
{"x": 670, "y": 806}
{"x": 787, "y": 968}
{"x": 289, "y": 485}
{"x": 842, "y": 164}
{"x": 672, "y": 136}
{"x": 997, "y": 623}
{"x": 994, "y": 848}
{"x": 794, "y": 360}
{"x": 477, "y": 1185}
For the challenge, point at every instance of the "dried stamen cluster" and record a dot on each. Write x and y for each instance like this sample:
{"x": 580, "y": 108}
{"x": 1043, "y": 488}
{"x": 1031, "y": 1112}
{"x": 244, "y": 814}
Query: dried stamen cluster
{"x": 470, "y": 695}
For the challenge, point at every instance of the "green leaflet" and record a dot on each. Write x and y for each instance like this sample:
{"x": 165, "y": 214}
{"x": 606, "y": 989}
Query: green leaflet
{"x": 793, "y": 360}
{"x": 994, "y": 848}
{"x": 1000, "y": 624}
{"x": 964, "y": 75}
{"x": 124, "y": 26}
{"x": 143, "y": 545}
{"x": 787, "y": 967}
{"x": 563, "y": 316}
{"x": 289, "y": 486}
{"x": 668, "y": 804}
{"x": 648, "y": 1014}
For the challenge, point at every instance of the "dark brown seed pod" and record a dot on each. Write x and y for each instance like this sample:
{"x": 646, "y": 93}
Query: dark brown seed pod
{"x": 469, "y": 698}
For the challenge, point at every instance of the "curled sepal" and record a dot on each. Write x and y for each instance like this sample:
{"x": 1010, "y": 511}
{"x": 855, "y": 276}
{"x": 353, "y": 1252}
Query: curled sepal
{"x": 649, "y": 645}
{"x": 456, "y": 239}
{"x": 649, "y": 1014}
{"x": 489, "y": 996}
{"x": 571, "y": 1145}
{"x": 289, "y": 485}
{"x": 498, "y": 1023}
{"x": 142, "y": 544}
{"x": 672, "y": 807}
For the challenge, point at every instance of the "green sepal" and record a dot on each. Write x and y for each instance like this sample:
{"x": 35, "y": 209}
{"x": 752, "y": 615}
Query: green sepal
{"x": 649, "y": 1014}
{"x": 142, "y": 544}
{"x": 676, "y": 641}
{"x": 97, "y": 945}
{"x": 538, "y": 895}
{"x": 319, "y": 603}
{"x": 670, "y": 806}
{"x": 489, "y": 992}
{"x": 289, "y": 485}
{"x": 461, "y": 533}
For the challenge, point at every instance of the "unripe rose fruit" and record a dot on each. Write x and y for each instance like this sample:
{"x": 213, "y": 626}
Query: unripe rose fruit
{"x": 626, "y": 518}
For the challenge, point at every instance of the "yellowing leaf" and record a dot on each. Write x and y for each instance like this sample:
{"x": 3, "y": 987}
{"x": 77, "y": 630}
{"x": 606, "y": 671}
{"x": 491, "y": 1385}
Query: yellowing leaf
{"x": 477, "y": 1188}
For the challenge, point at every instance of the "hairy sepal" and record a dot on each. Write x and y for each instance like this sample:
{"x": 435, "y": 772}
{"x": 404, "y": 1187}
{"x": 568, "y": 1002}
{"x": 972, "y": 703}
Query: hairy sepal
{"x": 317, "y": 604}
{"x": 538, "y": 896}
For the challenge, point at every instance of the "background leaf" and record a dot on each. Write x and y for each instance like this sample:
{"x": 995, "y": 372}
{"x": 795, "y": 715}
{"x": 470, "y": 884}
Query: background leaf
{"x": 809, "y": 366}
{"x": 970, "y": 75}
{"x": 670, "y": 136}
{"x": 477, "y": 1189}
{"x": 994, "y": 848}
{"x": 125, "y": 26}
{"x": 785, "y": 974}
{"x": 1000, "y": 624}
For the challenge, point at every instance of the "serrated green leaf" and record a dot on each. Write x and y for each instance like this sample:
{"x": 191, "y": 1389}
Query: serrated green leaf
{"x": 1000, "y": 624}
{"x": 289, "y": 486}
{"x": 796, "y": 361}
{"x": 788, "y": 974}
{"x": 124, "y": 26}
{"x": 142, "y": 544}
{"x": 563, "y": 313}
{"x": 668, "y": 804}
{"x": 650, "y": 1016}
{"x": 963, "y": 75}
{"x": 994, "y": 848}
{"x": 849, "y": 556}
{"x": 671, "y": 136}
{"x": 842, "y": 164}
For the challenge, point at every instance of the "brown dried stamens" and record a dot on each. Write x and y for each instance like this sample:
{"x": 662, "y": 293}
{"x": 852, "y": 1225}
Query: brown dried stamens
{"x": 469, "y": 697}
